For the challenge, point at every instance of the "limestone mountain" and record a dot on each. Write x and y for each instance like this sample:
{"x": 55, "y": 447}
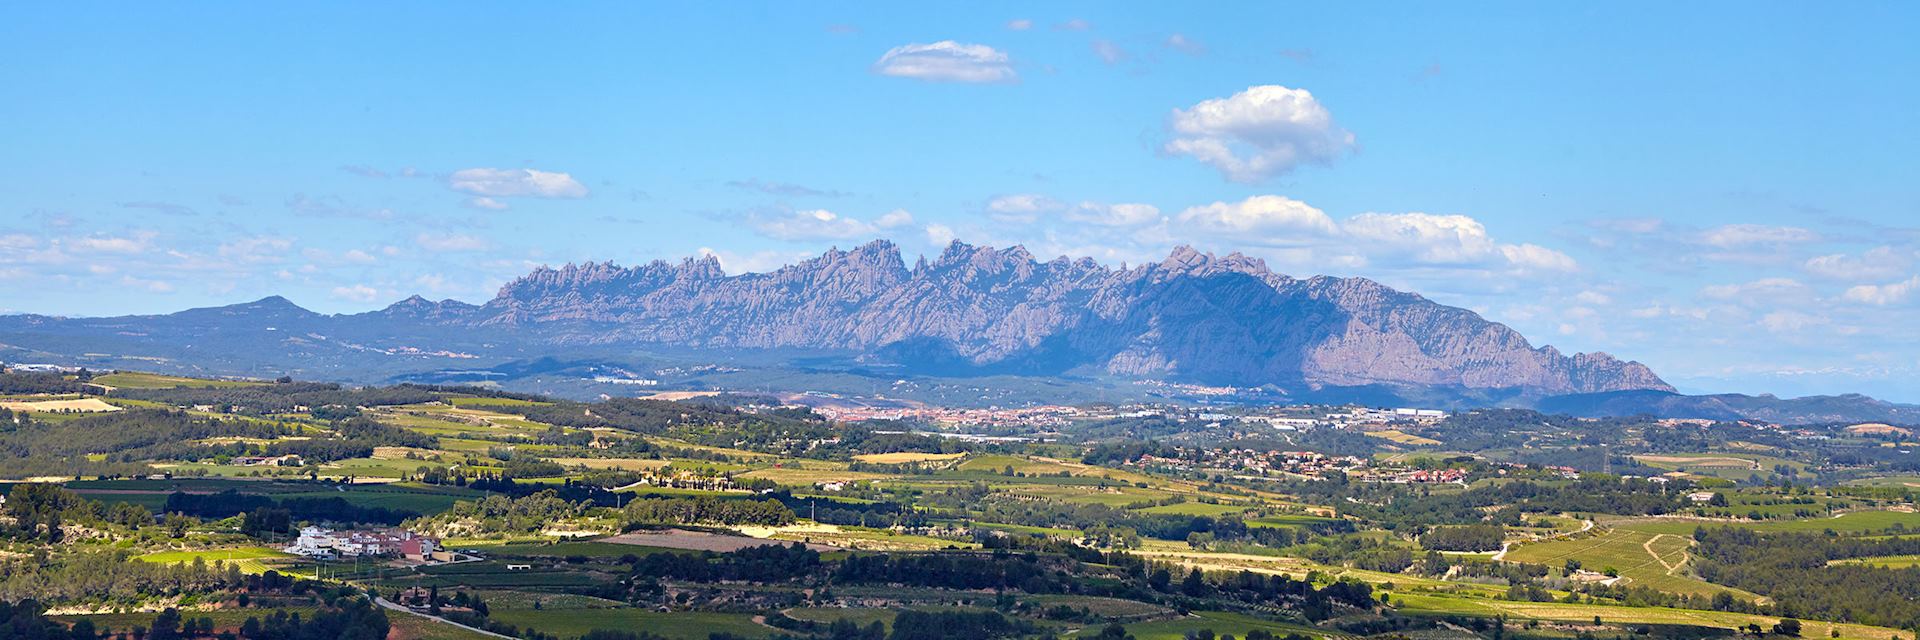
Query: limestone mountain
{"x": 1193, "y": 316}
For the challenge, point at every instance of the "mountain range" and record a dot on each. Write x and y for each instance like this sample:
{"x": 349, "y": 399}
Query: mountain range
{"x": 972, "y": 312}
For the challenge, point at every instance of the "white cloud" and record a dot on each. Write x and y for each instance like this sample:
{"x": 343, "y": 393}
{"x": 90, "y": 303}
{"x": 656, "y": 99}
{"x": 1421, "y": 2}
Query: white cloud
{"x": 947, "y": 61}
{"x": 816, "y": 224}
{"x": 113, "y": 244}
{"x": 356, "y": 293}
{"x": 940, "y": 235}
{"x": 894, "y": 219}
{"x": 451, "y": 242}
{"x": 1257, "y": 134}
{"x": 1789, "y": 321}
{"x": 18, "y": 242}
{"x": 152, "y": 286}
{"x": 1734, "y": 236}
{"x": 1438, "y": 239}
{"x": 1108, "y": 52}
{"x": 1182, "y": 43}
{"x": 1125, "y": 214}
{"x": 1759, "y": 292}
{"x": 1535, "y": 258}
{"x": 1023, "y": 207}
{"x": 1259, "y": 215}
{"x": 1883, "y": 294}
{"x": 1595, "y": 298}
{"x": 1075, "y": 24}
{"x": 534, "y": 183}
{"x": 256, "y": 249}
{"x": 756, "y": 262}
{"x": 1020, "y": 24}
{"x": 483, "y": 202}
{"x": 1879, "y": 263}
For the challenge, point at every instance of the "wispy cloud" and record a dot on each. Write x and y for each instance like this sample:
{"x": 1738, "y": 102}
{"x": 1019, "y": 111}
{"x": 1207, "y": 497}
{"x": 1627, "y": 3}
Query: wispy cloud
{"x": 947, "y": 61}
{"x": 498, "y": 183}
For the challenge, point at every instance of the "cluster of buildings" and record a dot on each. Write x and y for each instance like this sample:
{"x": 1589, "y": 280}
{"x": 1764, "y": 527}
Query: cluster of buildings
{"x": 21, "y": 367}
{"x": 1448, "y": 475}
{"x": 320, "y": 542}
{"x": 1041, "y": 418}
{"x": 289, "y": 460}
{"x": 1255, "y": 462}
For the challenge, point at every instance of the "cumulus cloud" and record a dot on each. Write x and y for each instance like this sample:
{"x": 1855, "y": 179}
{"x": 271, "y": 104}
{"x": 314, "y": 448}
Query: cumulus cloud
{"x": 534, "y": 183}
{"x": 894, "y": 219}
{"x": 1535, "y": 258}
{"x": 821, "y": 224}
{"x": 1451, "y": 239}
{"x": 1257, "y": 134}
{"x": 940, "y": 235}
{"x": 1259, "y": 215}
{"x": 947, "y": 61}
{"x": 1019, "y": 24}
{"x": 1883, "y": 294}
{"x": 1439, "y": 239}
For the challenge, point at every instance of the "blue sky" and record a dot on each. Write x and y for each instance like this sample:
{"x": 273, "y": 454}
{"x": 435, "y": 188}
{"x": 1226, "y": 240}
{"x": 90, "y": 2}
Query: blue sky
{"x": 1725, "y": 191}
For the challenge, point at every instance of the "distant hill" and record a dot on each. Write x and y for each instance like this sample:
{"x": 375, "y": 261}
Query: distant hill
{"x": 1733, "y": 406}
{"x": 1192, "y": 317}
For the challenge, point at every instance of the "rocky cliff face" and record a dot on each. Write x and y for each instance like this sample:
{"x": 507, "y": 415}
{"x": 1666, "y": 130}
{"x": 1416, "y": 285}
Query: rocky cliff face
{"x": 1193, "y": 316}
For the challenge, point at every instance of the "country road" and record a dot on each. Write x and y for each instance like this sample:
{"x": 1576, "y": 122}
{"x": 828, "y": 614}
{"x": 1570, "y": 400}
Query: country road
{"x": 384, "y": 603}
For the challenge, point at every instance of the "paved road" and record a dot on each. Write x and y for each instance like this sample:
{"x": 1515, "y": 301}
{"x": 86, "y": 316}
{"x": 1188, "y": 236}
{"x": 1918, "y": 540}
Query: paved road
{"x": 390, "y": 605}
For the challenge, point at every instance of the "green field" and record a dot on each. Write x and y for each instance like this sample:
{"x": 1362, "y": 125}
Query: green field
{"x": 860, "y": 616}
{"x": 138, "y": 380}
{"x": 411, "y": 627}
{"x": 1887, "y": 562}
{"x": 1439, "y": 604}
{"x": 1731, "y": 466}
{"x": 688, "y": 625}
{"x": 1645, "y": 559}
{"x": 224, "y": 619}
{"x": 249, "y": 559}
{"x": 1854, "y": 522}
{"x": 1196, "y": 509}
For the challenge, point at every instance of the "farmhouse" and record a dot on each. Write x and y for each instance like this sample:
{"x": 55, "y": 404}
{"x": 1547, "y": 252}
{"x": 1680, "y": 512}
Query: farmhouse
{"x": 1700, "y": 497}
{"x": 318, "y": 542}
